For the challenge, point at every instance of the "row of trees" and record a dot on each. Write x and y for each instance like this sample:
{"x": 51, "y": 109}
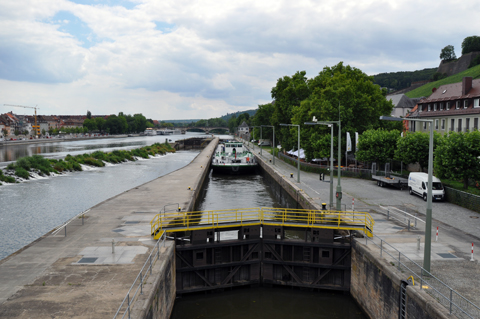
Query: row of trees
{"x": 120, "y": 124}
{"x": 338, "y": 92}
{"x": 456, "y": 155}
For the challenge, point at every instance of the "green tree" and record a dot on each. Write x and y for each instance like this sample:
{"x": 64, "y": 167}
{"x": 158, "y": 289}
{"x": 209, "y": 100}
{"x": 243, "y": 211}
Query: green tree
{"x": 288, "y": 93}
{"x": 89, "y": 115}
{"x": 341, "y": 92}
{"x": 470, "y": 44}
{"x": 90, "y": 124}
{"x": 456, "y": 157}
{"x": 448, "y": 53}
{"x": 100, "y": 123}
{"x": 377, "y": 145}
{"x": 414, "y": 148}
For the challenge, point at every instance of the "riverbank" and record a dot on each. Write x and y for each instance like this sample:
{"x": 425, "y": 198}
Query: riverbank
{"x": 76, "y": 275}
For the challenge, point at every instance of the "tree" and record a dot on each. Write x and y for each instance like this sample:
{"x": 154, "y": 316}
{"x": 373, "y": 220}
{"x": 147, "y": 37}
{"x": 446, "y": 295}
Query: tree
{"x": 288, "y": 93}
{"x": 456, "y": 157}
{"x": 414, "y": 148}
{"x": 448, "y": 53}
{"x": 100, "y": 123}
{"x": 341, "y": 92}
{"x": 377, "y": 145}
{"x": 89, "y": 115}
{"x": 470, "y": 44}
{"x": 90, "y": 124}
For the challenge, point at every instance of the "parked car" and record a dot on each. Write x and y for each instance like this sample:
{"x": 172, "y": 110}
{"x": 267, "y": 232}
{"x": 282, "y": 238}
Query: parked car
{"x": 417, "y": 184}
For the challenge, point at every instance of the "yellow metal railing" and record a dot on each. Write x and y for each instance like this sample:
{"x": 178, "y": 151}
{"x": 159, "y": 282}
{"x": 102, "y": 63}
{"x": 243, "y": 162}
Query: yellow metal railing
{"x": 327, "y": 219}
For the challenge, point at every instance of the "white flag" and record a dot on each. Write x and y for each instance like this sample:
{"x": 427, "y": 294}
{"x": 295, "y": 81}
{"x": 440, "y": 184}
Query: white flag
{"x": 349, "y": 142}
{"x": 356, "y": 141}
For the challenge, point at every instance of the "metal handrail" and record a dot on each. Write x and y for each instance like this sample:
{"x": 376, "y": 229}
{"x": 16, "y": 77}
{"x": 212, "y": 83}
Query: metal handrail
{"x": 64, "y": 225}
{"x": 139, "y": 280}
{"x": 405, "y": 220}
{"x": 273, "y": 216}
{"x": 457, "y": 307}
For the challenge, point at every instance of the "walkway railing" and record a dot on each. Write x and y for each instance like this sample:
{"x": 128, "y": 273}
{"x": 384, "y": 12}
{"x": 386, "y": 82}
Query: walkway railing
{"x": 454, "y": 302}
{"x": 327, "y": 219}
{"x": 132, "y": 293}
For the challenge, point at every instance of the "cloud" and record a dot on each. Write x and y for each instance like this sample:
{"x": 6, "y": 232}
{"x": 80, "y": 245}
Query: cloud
{"x": 205, "y": 58}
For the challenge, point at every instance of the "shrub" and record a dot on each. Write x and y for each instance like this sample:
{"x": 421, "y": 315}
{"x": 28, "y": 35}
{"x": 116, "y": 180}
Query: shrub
{"x": 11, "y": 166}
{"x": 23, "y": 163}
{"x": 22, "y": 172}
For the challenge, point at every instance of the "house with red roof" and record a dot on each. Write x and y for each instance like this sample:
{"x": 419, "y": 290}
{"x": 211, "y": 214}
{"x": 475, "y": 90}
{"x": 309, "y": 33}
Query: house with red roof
{"x": 452, "y": 107}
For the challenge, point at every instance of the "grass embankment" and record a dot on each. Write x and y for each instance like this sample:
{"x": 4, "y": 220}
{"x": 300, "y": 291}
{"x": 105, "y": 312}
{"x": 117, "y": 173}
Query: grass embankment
{"x": 426, "y": 90}
{"x": 25, "y": 165}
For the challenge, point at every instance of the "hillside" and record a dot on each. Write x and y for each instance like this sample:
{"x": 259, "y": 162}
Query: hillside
{"x": 401, "y": 80}
{"x": 426, "y": 90}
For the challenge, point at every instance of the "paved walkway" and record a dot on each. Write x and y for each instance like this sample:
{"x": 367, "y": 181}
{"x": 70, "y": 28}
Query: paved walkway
{"x": 458, "y": 226}
{"x": 79, "y": 275}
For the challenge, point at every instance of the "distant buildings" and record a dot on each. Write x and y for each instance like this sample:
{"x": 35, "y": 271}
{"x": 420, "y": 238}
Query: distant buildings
{"x": 452, "y": 107}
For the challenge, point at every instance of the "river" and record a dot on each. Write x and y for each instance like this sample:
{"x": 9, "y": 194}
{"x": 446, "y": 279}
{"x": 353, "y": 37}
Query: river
{"x": 30, "y": 209}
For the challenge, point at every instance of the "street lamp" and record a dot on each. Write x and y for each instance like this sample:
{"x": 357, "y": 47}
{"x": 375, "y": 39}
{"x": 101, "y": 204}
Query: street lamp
{"x": 428, "y": 221}
{"x": 253, "y": 127}
{"x": 329, "y": 124}
{"x": 273, "y": 150}
{"x": 298, "y": 150}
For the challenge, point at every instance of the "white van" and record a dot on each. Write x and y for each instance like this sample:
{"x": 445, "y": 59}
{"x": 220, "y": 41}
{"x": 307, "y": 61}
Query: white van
{"x": 417, "y": 184}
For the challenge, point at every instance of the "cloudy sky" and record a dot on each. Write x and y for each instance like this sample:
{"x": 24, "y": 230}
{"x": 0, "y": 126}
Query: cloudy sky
{"x": 185, "y": 59}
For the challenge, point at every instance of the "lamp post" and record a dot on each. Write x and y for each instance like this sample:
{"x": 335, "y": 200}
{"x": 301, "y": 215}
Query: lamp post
{"x": 329, "y": 124}
{"x": 253, "y": 127}
{"x": 298, "y": 150}
{"x": 428, "y": 221}
{"x": 273, "y": 149}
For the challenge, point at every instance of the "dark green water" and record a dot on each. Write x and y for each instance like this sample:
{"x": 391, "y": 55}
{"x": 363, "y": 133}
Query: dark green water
{"x": 225, "y": 192}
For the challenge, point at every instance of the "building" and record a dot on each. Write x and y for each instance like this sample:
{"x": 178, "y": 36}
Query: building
{"x": 452, "y": 107}
{"x": 402, "y": 104}
{"x": 243, "y": 131}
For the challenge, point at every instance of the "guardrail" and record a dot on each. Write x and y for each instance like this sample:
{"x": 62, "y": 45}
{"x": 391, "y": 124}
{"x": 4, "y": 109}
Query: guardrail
{"x": 64, "y": 225}
{"x": 328, "y": 219}
{"x": 402, "y": 216}
{"x": 444, "y": 294}
{"x": 128, "y": 301}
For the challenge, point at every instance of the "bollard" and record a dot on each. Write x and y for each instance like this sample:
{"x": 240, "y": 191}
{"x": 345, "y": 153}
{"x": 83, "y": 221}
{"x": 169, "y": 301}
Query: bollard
{"x": 113, "y": 246}
{"x": 418, "y": 243}
{"x": 291, "y": 175}
{"x": 353, "y": 204}
{"x": 408, "y": 226}
{"x": 436, "y": 237}
{"x": 388, "y": 214}
{"x": 324, "y": 206}
{"x": 471, "y": 259}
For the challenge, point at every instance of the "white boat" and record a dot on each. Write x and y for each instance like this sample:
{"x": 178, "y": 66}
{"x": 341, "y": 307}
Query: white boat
{"x": 233, "y": 158}
{"x": 150, "y": 132}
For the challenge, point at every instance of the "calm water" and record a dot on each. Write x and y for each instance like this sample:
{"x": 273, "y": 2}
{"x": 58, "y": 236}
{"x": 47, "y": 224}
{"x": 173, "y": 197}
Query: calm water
{"x": 11, "y": 152}
{"x": 225, "y": 192}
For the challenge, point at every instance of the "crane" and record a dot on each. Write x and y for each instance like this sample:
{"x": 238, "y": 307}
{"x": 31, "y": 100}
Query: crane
{"x": 36, "y": 127}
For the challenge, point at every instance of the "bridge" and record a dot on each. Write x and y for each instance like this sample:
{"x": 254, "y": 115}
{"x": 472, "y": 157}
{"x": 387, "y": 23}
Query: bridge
{"x": 203, "y": 128}
{"x": 231, "y": 218}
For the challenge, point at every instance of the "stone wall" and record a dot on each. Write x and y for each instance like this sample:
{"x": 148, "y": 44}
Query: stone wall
{"x": 289, "y": 186}
{"x": 375, "y": 285}
{"x": 457, "y": 66}
{"x": 159, "y": 290}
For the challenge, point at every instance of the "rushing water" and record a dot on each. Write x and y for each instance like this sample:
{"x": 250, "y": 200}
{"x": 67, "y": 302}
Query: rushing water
{"x": 247, "y": 191}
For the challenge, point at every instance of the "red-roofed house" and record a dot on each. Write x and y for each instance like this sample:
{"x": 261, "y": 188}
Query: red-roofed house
{"x": 452, "y": 107}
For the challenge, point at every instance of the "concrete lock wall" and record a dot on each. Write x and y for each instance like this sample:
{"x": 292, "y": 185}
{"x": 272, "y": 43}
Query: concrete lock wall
{"x": 159, "y": 289}
{"x": 375, "y": 285}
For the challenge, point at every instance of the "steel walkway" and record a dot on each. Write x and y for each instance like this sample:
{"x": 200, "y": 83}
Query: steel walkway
{"x": 216, "y": 219}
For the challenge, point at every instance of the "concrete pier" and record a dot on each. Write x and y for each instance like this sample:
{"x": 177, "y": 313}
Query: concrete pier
{"x": 88, "y": 272}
